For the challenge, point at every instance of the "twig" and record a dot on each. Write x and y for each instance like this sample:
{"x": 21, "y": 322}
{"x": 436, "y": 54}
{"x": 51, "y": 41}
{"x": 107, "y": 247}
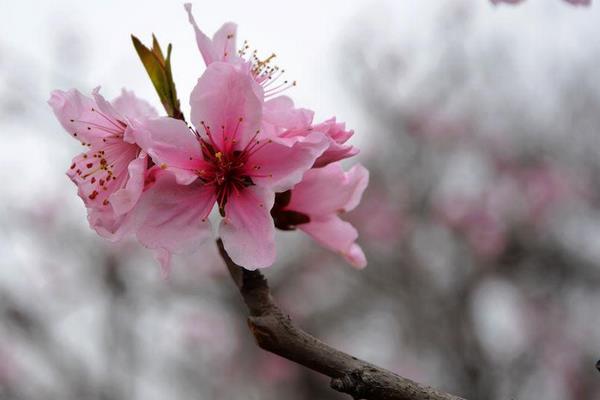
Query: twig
{"x": 275, "y": 332}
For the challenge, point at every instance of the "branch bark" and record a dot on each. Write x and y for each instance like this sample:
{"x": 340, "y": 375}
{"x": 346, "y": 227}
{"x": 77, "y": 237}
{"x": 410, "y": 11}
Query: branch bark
{"x": 275, "y": 332}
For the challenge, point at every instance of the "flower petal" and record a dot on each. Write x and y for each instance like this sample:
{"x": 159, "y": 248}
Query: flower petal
{"x": 336, "y": 235}
{"x": 102, "y": 171}
{"x": 247, "y": 230}
{"x": 171, "y": 145}
{"x": 279, "y": 166}
{"x": 227, "y": 103}
{"x": 335, "y": 152}
{"x": 329, "y": 190}
{"x": 132, "y": 107}
{"x": 108, "y": 224}
{"x": 80, "y": 116}
{"x": 204, "y": 43}
{"x": 338, "y": 136}
{"x": 222, "y": 45}
{"x": 223, "y": 41}
{"x": 172, "y": 218}
{"x": 108, "y": 111}
{"x": 356, "y": 257}
{"x": 124, "y": 199}
{"x": 279, "y": 114}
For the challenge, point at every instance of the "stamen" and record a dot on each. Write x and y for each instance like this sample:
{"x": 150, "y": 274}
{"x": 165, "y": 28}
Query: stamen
{"x": 110, "y": 120}
{"x": 209, "y": 134}
{"x": 273, "y": 78}
{"x": 258, "y": 148}
{"x": 106, "y": 129}
{"x": 279, "y": 89}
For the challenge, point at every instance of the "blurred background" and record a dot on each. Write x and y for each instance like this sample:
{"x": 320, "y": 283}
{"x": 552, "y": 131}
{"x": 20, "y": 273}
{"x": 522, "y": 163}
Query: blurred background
{"x": 481, "y": 224}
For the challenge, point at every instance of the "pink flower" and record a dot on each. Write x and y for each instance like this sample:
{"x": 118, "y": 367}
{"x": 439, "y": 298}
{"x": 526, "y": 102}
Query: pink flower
{"x": 383, "y": 219}
{"x": 314, "y": 205}
{"x": 110, "y": 175}
{"x": 227, "y": 160}
{"x": 482, "y": 224}
{"x": 337, "y": 136}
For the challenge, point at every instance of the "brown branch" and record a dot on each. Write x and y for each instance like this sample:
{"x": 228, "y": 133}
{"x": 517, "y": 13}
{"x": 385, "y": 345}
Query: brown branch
{"x": 275, "y": 332}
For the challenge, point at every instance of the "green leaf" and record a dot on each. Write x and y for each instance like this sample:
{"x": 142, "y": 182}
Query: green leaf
{"x": 160, "y": 73}
{"x": 156, "y": 50}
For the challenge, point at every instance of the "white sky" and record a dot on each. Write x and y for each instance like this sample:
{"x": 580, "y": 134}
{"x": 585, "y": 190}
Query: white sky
{"x": 302, "y": 33}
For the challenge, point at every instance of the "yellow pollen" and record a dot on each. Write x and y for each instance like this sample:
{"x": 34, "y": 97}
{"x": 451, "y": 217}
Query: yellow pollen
{"x": 163, "y": 166}
{"x": 219, "y": 155}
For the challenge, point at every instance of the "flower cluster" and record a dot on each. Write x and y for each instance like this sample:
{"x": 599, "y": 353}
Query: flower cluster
{"x": 248, "y": 151}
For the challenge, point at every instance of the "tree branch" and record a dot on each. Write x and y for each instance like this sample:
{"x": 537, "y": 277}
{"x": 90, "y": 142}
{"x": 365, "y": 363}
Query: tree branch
{"x": 275, "y": 332}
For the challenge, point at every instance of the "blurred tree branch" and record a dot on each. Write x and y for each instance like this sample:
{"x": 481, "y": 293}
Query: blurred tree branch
{"x": 275, "y": 332}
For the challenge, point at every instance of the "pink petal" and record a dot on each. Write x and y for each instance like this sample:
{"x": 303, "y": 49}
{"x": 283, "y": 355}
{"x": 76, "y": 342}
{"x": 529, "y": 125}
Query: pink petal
{"x": 204, "y": 43}
{"x": 228, "y": 103}
{"x": 335, "y": 152}
{"x": 110, "y": 225}
{"x": 329, "y": 190}
{"x": 106, "y": 109}
{"x": 338, "y": 136}
{"x": 247, "y": 230}
{"x": 221, "y": 47}
{"x": 94, "y": 183}
{"x": 357, "y": 180}
{"x": 279, "y": 114}
{"x": 171, "y": 145}
{"x": 334, "y": 131}
{"x": 336, "y": 235}
{"x": 356, "y": 257}
{"x": 279, "y": 166}
{"x": 80, "y": 116}
{"x": 132, "y": 107}
{"x": 224, "y": 42}
{"x": 172, "y": 218}
{"x": 124, "y": 199}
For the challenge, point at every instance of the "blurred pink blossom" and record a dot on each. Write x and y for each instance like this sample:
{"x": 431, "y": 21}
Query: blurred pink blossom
{"x": 506, "y": 1}
{"x": 8, "y": 368}
{"x": 574, "y": 2}
{"x": 483, "y": 228}
{"x": 273, "y": 369}
{"x": 432, "y": 125}
{"x": 543, "y": 187}
{"x": 383, "y": 221}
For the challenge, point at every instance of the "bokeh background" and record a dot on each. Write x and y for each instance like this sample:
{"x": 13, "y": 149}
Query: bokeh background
{"x": 481, "y": 224}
